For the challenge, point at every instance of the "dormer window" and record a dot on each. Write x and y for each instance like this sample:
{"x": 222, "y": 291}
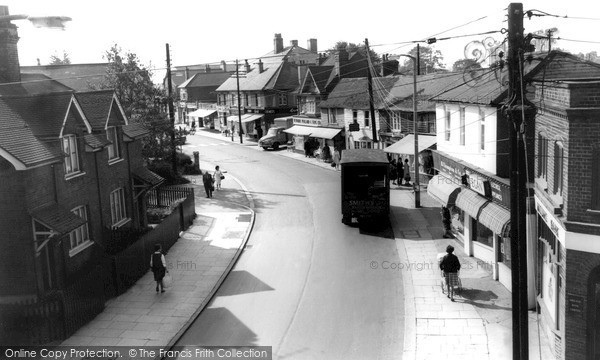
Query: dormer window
{"x": 113, "y": 149}
{"x": 69, "y": 147}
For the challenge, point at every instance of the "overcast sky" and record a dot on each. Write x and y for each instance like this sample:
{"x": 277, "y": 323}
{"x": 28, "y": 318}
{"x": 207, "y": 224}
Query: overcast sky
{"x": 201, "y": 31}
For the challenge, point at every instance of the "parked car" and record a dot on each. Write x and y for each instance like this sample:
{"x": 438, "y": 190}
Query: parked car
{"x": 275, "y": 137}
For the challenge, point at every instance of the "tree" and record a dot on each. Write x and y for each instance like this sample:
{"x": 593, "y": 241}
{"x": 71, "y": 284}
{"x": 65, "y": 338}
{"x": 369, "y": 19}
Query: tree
{"x": 141, "y": 100}
{"x": 55, "y": 60}
{"x": 430, "y": 61}
{"x": 465, "y": 64}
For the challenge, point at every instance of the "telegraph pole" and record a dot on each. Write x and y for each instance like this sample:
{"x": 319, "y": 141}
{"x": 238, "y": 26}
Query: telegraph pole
{"x": 518, "y": 110}
{"x": 370, "y": 88}
{"x": 237, "y": 78}
{"x": 418, "y": 70}
{"x": 171, "y": 113}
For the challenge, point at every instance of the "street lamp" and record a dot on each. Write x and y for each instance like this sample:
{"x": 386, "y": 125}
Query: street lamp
{"x": 416, "y": 184}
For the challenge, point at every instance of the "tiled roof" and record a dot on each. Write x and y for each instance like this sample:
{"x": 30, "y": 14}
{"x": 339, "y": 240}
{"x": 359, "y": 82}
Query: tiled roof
{"x": 317, "y": 76}
{"x": 33, "y": 84}
{"x": 96, "y": 141}
{"x": 96, "y": 106}
{"x": 401, "y": 94}
{"x": 57, "y": 218}
{"x": 207, "y": 79}
{"x": 135, "y": 130}
{"x": 280, "y": 75}
{"x": 18, "y": 140}
{"x": 148, "y": 176}
{"x": 352, "y": 93}
{"x": 80, "y": 77}
{"x": 490, "y": 87}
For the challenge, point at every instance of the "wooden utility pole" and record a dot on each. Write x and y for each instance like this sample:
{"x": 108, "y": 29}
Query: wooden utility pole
{"x": 171, "y": 112}
{"x": 370, "y": 89}
{"x": 519, "y": 112}
{"x": 418, "y": 60}
{"x": 237, "y": 78}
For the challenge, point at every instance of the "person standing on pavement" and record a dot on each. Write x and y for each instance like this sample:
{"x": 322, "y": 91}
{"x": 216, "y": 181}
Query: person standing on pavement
{"x": 393, "y": 171}
{"x": 218, "y": 176}
{"x": 158, "y": 264}
{"x": 450, "y": 266}
{"x": 406, "y": 169}
{"x": 399, "y": 171}
{"x": 208, "y": 181}
{"x": 336, "y": 158}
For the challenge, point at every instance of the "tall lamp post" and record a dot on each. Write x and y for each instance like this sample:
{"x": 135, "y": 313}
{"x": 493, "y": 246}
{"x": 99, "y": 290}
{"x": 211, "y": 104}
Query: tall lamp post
{"x": 417, "y": 186}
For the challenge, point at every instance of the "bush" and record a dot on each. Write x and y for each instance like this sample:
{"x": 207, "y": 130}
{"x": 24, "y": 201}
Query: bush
{"x": 186, "y": 165}
{"x": 164, "y": 169}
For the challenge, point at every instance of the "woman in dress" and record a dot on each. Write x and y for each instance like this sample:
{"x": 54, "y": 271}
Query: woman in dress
{"x": 158, "y": 266}
{"x": 218, "y": 176}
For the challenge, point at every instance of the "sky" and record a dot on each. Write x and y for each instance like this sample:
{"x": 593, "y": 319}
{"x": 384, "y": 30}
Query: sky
{"x": 201, "y": 31}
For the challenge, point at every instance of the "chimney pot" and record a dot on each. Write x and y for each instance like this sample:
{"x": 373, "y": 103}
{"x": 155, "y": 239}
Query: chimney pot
{"x": 293, "y": 42}
{"x": 312, "y": 45}
{"x": 260, "y": 66}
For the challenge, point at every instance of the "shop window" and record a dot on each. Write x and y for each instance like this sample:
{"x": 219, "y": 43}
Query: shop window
{"x": 282, "y": 99}
{"x": 457, "y": 217}
{"x": 504, "y": 251}
{"x": 362, "y": 144}
{"x": 482, "y": 234}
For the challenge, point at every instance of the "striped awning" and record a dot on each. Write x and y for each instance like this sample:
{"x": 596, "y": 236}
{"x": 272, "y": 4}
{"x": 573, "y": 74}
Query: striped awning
{"x": 496, "y": 218}
{"x": 443, "y": 190}
{"x": 470, "y": 202}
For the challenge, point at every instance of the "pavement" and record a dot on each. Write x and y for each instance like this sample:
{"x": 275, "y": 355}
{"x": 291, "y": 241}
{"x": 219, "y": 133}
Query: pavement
{"x": 476, "y": 326}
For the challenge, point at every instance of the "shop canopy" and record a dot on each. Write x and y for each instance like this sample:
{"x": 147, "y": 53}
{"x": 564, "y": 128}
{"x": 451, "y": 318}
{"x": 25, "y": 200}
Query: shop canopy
{"x": 200, "y": 113}
{"x": 324, "y": 133}
{"x": 406, "y": 145}
{"x": 496, "y": 218}
{"x": 299, "y": 130}
{"x": 470, "y": 202}
{"x": 251, "y": 117}
{"x": 443, "y": 190}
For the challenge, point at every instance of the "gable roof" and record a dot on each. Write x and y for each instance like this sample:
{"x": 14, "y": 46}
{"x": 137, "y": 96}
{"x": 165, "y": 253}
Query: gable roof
{"x": 79, "y": 77}
{"x": 275, "y": 76}
{"x": 97, "y": 106}
{"x": 33, "y": 84}
{"x": 317, "y": 77}
{"x": 210, "y": 79}
{"x": 352, "y": 93}
{"x": 490, "y": 86}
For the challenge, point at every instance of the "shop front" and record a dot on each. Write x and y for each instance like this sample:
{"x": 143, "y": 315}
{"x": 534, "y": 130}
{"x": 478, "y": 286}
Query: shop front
{"x": 479, "y": 214}
{"x": 405, "y": 148}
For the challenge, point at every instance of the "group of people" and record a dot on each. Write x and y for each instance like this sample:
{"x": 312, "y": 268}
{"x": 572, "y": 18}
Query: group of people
{"x": 212, "y": 182}
{"x": 399, "y": 172}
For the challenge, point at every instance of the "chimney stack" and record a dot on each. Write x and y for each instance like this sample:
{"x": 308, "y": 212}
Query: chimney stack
{"x": 246, "y": 66}
{"x": 312, "y": 45}
{"x": 10, "y": 69}
{"x": 186, "y": 73}
{"x": 278, "y": 43}
{"x": 260, "y": 66}
{"x": 206, "y": 68}
{"x": 223, "y": 66}
{"x": 340, "y": 62}
{"x": 294, "y": 43}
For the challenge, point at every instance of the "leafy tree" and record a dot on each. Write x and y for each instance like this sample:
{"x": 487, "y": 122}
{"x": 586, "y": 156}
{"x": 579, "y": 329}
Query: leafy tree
{"x": 56, "y": 60}
{"x": 141, "y": 100}
{"x": 431, "y": 61}
{"x": 464, "y": 64}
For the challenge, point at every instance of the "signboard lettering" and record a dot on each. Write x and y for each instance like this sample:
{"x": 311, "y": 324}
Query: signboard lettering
{"x": 575, "y": 304}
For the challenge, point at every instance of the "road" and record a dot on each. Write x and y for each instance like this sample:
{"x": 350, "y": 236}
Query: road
{"x": 304, "y": 284}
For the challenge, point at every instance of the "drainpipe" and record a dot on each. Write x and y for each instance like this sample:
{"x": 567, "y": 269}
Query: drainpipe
{"x": 98, "y": 189}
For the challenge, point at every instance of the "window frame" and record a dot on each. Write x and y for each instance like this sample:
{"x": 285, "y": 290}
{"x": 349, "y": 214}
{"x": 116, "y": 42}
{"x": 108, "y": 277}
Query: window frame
{"x": 542, "y": 156}
{"x": 79, "y": 238}
{"x": 118, "y": 208}
{"x": 282, "y": 99}
{"x": 559, "y": 153}
{"x": 482, "y": 129}
{"x": 462, "y": 112}
{"x": 71, "y": 163}
{"x": 367, "y": 118}
{"x": 114, "y": 149}
{"x": 447, "y": 125}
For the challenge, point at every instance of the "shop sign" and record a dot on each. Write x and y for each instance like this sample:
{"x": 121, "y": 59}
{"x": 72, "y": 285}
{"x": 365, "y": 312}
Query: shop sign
{"x": 478, "y": 184}
{"x": 307, "y": 121}
{"x": 575, "y": 304}
{"x": 548, "y": 219}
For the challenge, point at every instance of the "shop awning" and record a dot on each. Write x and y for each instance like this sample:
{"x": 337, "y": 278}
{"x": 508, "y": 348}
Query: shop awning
{"x": 57, "y": 218}
{"x": 299, "y": 130}
{"x": 470, "y": 202}
{"x": 202, "y": 113}
{"x": 251, "y": 117}
{"x": 496, "y": 218}
{"x": 443, "y": 190}
{"x": 406, "y": 145}
{"x": 324, "y": 133}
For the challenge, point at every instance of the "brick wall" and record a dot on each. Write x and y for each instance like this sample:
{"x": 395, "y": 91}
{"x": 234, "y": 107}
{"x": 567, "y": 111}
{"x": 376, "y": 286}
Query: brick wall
{"x": 579, "y": 266}
{"x": 10, "y": 70}
{"x": 16, "y": 247}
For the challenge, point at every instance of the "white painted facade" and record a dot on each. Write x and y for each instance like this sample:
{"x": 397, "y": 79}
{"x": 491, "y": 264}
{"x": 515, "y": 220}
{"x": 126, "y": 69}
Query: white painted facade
{"x": 476, "y": 149}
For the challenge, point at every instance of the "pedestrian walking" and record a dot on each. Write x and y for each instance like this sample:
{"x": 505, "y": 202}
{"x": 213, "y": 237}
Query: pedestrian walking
{"x": 218, "y": 176}
{"x": 208, "y": 181}
{"x": 406, "y": 168}
{"x": 337, "y": 157}
{"x": 446, "y": 223}
{"x": 399, "y": 171}
{"x": 393, "y": 171}
{"x": 450, "y": 265}
{"x": 158, "y": 264}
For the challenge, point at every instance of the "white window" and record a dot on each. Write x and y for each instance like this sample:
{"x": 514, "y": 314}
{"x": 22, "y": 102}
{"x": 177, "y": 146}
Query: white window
{"x": 447, "y": 129}
{"x": 354, "y": 116}
{"x": 282, "y": 99}
{"x": 79, "y": 236}
{"x": 113, "y": 148}
{"x": 367, "y": 118}
{"x": 69, "y": 145}
{"x": 117, "y": 206}
{"x": 462, "y": 125}
{"x": 396, "y": 123}
{"x": 482, "y": 128}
